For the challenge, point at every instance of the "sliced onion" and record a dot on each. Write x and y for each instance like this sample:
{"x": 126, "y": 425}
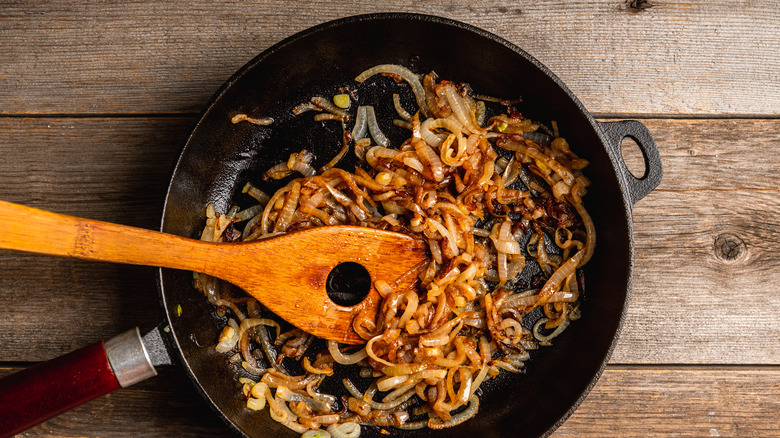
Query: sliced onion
{"x": 244, "y": 118}
{"x": 416, "y": 425}
{"x": 451, "y": 243}
{"x": 344, "y": 430}
{"x": 437, "y": 185}
{"x": 545, "y": 338}
{"x": 429, "y": 157}
{"x": 264, "y": 228}
{"x": 248, "y": 323}
{"x": 327, "y": 105}
{"x": 524, "y": 301}
{"x": 502, "y": 268}
{"x": 403, "y": 124}
{"x": 370, "y": 351}
{"x": 278, "y": 171}
{"x": 286, "y": 394}
{"x": 590, "y": 231}
{"x": 412, "y": 301}
{"x": 406, "y": 74}
{"x": 470, "y": 411}
{"x": 275, "y": 379}
{"x": 430, "y": 137}
{"x": 360, "y": 129}
{"x": 459, "y": 107}
{"x": 325, "y": 398}
{"x": 316, "y": 433}
{"x": 379, "y": 152}
{"x": 303, "y": 168}
{"x": 228, "y": 338}
{"x": 389, "y": 382}
{"x": 392, "y": 404}
{"x": 351, "y": 388}
{"x": 373, "y": 128}
{"x": 538, "y": 138}
{"x": 511, "y": 172}
{"x": 267, "y": 347}
{"x": 339, "y": 357}
{"x": 412, "y": 162}
{"x": 314, "y": 370}
{"x": 403, "y": 369}
{"x": 253, "y": 370}
{"x": 256, "y": 193}
{"x": 402, "y": 113}
{"x": 304, "y": 107}
{"x": 507, "y": 246}
{"x": 290, "y": 205}
{"x": 399, "y": 391}
{"x": 560, "y": 189}
{"x": 456, "y": 159}
{"x": 560, "y": 274}
{"x": 256, "y": 404}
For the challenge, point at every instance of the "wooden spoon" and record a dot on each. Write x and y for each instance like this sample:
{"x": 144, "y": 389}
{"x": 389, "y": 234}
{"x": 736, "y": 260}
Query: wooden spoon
{"x": 288, "y": 273}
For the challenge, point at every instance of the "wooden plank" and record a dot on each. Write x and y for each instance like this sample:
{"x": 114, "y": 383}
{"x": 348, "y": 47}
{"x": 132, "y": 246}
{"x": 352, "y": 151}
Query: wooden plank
{"x": 108, "y": 169}
{"x": 706, "y": 277}
{"x": 712, "y": 154}
{"x": 728, "y": 154}
{"x": 699, "y": 57}
{"x": 680, "y": 402}
{"x": 52, "y": 306}
{"x": 627, "y": 401}
{"x": 690, "y": 304}
{"x": 705, "y": 259}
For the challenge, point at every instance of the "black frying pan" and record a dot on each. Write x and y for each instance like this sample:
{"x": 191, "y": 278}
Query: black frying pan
{"x": 219, "y": 158}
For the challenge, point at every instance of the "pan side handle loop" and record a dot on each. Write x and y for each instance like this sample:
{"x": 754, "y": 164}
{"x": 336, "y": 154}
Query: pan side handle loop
{"x": 615, "y": 132}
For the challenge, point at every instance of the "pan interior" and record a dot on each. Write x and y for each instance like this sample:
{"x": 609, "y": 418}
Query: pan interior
{"x": 219, "y": 158}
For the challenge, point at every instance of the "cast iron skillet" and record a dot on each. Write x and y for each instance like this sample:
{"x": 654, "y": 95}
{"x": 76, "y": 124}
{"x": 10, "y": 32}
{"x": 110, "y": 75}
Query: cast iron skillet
{"x": 219, "y": 158}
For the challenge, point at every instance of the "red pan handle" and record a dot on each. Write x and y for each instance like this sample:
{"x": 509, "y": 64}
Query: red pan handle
{"x": 40, "y": 392}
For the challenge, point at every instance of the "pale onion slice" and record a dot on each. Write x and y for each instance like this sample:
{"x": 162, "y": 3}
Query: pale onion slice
{"x": 343, "y": 359}
{"x": 344, "y": 430}
{"x": 405, "y": 74}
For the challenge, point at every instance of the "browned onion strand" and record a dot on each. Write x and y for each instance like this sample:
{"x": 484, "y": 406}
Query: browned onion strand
{"x": 473, "y": 182}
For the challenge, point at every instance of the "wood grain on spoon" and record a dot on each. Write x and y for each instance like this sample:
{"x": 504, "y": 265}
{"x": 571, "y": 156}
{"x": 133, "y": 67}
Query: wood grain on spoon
{"x": 288, "y": 273}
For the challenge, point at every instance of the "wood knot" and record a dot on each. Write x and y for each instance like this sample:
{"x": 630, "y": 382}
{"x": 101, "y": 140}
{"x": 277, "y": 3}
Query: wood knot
{"x": 638, "y": 5}
{"x": 729, "y": 247}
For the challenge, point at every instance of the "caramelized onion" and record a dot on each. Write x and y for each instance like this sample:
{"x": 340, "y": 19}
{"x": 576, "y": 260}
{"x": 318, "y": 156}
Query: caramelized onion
{"x": 470, "y": 411}
{"x": 472, "y": 191}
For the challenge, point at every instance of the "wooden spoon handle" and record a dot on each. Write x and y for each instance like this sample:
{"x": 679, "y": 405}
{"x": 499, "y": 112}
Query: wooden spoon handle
{"x": 288, "y": 274}
{"x": 29, "y": 229}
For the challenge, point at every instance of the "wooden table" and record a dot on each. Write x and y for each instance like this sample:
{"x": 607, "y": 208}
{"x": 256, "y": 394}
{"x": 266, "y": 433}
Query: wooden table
{"x": 96, "y": 100}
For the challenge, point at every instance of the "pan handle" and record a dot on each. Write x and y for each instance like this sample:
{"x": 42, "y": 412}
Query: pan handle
{"x": 615, "y": 132}
{"x": 40, "y": 392}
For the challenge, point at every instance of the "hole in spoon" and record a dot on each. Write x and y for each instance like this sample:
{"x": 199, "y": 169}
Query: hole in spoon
{"x": 348, "y": 283}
